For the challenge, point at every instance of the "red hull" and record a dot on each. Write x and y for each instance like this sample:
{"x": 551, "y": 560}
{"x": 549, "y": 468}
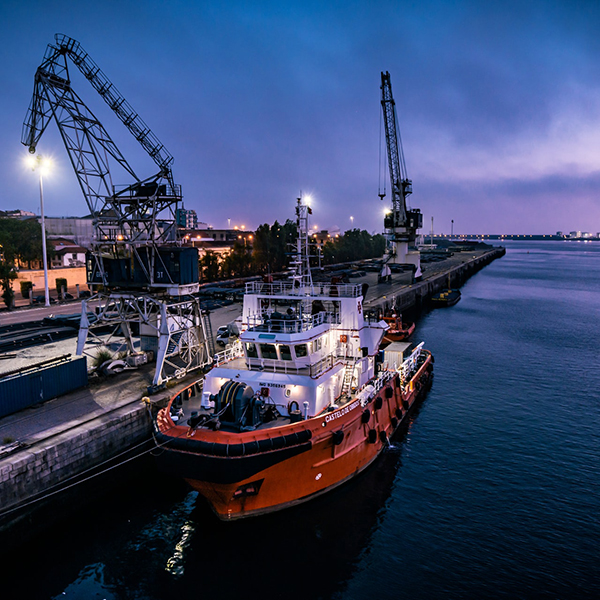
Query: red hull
{"x": 268, "y": 469}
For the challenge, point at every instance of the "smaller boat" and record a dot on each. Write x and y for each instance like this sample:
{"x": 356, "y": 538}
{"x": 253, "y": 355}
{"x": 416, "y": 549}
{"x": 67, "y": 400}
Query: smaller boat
{"x": 445, "y": 298}
{"x": 397, "y": 330}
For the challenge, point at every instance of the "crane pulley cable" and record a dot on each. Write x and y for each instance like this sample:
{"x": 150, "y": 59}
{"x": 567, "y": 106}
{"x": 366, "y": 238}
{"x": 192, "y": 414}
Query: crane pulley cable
{"x": 381, "y": 167}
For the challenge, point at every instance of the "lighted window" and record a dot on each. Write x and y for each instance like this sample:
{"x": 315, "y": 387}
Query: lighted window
{"x": 268, "y": 351}
{"x": 285, "y": 352}
{"x": 301, "y": 350}
{"x": 251, "y": 350}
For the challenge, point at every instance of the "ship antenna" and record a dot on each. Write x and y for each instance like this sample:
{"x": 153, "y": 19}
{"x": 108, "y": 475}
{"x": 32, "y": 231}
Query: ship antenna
{"x": 300, "y": 263}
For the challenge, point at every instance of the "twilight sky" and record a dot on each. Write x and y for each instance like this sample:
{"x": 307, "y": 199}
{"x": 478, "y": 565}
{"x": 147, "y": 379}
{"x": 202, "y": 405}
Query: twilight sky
{"x": 498, "y": 105}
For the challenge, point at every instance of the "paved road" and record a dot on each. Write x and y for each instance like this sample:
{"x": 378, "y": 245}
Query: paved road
{"x": 26, "y": 315}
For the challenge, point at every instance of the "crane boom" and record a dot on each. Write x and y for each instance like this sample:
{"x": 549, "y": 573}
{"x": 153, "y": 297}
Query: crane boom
{"x": 52, "y": 71}
{"x": 133, "y": 220}
{"x": 402, "y": 222}
{"x": 400, "y": 184}
{"x": 142, "y": 277}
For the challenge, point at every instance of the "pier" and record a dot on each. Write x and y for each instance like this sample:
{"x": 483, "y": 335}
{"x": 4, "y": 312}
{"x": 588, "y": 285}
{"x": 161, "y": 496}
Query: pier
{"x": 54, "y": 446}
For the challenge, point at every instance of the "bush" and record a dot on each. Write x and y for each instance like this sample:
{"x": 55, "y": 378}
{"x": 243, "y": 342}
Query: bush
{"x": 25, "y": 288}
{"x": 60, "y": 283}
{"x": 102, "y": 355}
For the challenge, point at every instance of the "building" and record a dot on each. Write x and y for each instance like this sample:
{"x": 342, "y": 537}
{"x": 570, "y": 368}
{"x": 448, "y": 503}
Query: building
{"x": 320, "y": 238}
{"x": 79, "y": 230}
{"x": 187, "y": 219}
{"x": 67, "y": 254}
{"x": 16, "y": 214}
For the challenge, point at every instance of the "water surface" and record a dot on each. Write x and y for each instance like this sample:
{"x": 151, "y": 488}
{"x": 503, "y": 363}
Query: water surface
{"x": 491, "y": 491}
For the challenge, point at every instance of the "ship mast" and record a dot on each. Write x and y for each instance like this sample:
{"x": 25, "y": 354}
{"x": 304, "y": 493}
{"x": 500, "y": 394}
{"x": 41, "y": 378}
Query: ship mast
{"x": 300, "y": 263}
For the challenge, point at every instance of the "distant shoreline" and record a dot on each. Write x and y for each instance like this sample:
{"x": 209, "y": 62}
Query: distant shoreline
{"x": 515, "y": 237}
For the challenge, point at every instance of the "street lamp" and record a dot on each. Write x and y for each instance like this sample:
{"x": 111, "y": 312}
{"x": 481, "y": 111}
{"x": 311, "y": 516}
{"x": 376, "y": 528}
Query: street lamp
{"x": 351, "y": 221}
{"x": 42, "y": 165}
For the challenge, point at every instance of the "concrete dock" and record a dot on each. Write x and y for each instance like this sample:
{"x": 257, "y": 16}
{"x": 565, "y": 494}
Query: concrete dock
{"x": 53, "y": 446}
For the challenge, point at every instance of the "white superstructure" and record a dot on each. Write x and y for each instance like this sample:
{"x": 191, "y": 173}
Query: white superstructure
{"x": 301, "y": 342}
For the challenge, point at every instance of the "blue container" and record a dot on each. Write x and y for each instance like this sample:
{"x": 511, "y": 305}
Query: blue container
{"x": 27, "y": 388}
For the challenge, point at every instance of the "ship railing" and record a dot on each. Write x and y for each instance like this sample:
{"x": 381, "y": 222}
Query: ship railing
{"x": 409, "y": 366}
{"x": 236, "y": 350}
{"x": 270, "y": 365}
{"x": 384, "y": 377}
{"x": 290, "y": 288}
{"x": 323, "y": 365}
{"x": 285, "y": 324}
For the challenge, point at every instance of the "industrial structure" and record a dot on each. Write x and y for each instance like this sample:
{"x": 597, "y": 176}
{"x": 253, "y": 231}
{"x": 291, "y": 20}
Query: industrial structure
{"x": 401, "y": 222}
{"x": 142, "y": 277}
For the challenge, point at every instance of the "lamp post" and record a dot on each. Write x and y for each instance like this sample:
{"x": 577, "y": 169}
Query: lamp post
{"x": 452, "y": 229}
{"x": 42, "y": 164}
{"x": 351, "y": 222}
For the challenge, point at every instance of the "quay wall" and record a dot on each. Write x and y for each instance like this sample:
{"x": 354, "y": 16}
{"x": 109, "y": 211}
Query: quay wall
{"x": 30, "y": 476}
{"x": 417, "y": 295}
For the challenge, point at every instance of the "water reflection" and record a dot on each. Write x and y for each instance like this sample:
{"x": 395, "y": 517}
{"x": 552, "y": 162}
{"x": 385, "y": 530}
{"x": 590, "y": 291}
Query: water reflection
{"x": 155, "y": 538}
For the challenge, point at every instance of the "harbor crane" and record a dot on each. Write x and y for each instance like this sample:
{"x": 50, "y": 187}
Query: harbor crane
{"x": 401, "y": 222}
{"x": 142, "y": 278}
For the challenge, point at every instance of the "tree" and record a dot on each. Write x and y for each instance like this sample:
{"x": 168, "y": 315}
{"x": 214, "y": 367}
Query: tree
{"x": 7, "y": 274}
{"x": 272, "y": 245}
{"x": 353, "y": 245}
{"x": 209, "y": 266}
{"x": 238, "y": 263}
{"x": 22, "y": 241}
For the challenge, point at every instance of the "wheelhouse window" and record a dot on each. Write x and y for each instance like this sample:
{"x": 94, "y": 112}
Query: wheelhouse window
{"x": 268, "y": 351}
{"x": 251, "y": 350}
{"x": 301, "y": 350}
{"x": 285, "y": 352}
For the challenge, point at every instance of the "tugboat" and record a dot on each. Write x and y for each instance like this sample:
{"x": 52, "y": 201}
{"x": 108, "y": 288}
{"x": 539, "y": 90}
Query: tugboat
{"x": 445, "y": 298}
{"x": 397, "y": 329}
{"x": 301, "y": 403}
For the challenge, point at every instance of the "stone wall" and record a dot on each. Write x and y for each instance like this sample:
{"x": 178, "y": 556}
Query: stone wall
{"x": 28, "y": 475}
{"x": 73, "y": 275}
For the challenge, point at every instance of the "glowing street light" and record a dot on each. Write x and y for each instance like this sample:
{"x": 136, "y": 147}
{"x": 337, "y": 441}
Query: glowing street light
{"x": 42, "y": 165}
{"x": 351, "y": 221}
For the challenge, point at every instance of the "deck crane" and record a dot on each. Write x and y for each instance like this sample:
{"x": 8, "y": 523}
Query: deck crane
{"x": 402, "y": 223}
{"x": 141, "y": 275}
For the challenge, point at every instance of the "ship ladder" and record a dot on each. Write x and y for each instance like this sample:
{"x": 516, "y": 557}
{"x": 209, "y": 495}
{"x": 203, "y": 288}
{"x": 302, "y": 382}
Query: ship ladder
{"x": 348, "y": 376}
{"x": 209, "y": 333}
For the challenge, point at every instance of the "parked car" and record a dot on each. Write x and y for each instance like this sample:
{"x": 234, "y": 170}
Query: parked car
{"x": 223, "y": 335}
{"x": 42, "y": 299}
